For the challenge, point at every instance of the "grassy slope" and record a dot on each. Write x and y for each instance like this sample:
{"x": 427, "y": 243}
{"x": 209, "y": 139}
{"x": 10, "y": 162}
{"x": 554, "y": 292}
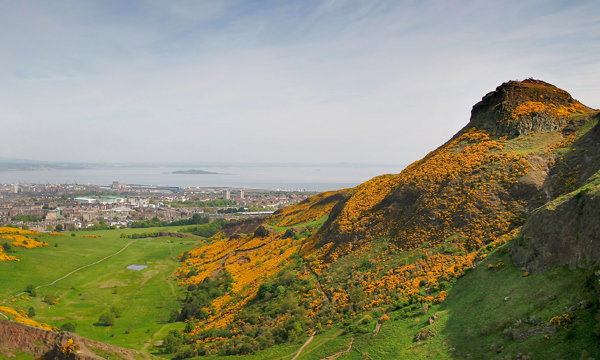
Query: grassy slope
{"x": 474, "y": 317}
{"x": 145, "y": 298}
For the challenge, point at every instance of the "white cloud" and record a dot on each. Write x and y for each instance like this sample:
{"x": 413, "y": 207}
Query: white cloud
{"x": 337, "y": 81}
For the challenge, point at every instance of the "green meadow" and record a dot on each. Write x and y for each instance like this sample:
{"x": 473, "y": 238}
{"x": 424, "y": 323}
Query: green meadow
{"x": 143, "y": 298}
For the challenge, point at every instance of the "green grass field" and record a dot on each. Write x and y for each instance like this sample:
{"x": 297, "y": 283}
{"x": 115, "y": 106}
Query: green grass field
{"x": 145, "y": 298}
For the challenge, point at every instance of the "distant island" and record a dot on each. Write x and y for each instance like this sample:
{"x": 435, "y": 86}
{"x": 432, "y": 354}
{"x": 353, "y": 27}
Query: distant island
{"x": 194, "y": 172}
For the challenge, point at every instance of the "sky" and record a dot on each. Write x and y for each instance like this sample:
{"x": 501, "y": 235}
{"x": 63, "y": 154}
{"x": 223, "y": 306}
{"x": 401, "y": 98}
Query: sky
{"x": 332, "y": 81}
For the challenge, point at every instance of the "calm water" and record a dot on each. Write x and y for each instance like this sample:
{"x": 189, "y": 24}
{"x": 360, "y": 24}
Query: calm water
{"x": 310, "y": 178}
{"x": 136, "y": 267}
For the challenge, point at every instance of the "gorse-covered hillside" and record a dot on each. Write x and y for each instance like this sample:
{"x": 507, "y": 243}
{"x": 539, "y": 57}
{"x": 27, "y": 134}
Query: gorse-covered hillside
{"x": 382, "y": 256}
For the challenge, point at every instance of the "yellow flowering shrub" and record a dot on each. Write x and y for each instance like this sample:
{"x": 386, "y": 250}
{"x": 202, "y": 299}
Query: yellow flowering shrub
{"x": 33, "y": 323}
{"x": 4, "y": 257}
{"x": 9, "y": 311}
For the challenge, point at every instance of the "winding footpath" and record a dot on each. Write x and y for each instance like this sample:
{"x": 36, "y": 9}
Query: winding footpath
{"x": 76, "y": 270}
{"x": 303, "y": 346}
{"x": 336, "y": 355}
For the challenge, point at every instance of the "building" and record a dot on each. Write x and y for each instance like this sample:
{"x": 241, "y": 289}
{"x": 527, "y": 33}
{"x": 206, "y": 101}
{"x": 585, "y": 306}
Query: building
{"x": 241, "y": 194}
{"x": 111, "y": 200}
{"x": 85, "y": 200}
{"x": 226, "y": 194}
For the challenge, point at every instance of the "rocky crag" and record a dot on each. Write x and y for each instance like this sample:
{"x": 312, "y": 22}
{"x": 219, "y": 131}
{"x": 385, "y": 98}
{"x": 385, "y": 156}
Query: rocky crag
{"x": 48, "y": 344}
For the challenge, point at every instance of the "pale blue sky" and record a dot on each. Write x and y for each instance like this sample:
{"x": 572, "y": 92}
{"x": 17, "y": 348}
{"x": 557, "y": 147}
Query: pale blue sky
{"x": 273, "y": 81}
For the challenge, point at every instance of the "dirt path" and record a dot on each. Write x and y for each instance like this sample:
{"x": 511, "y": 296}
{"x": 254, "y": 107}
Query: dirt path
{"x": 76, "y": 270}
{"x": 380, "y": 322}
{"x": 303, "y": 346}
{"x": 153, "y": 336}
{"x": 336, "y": 355}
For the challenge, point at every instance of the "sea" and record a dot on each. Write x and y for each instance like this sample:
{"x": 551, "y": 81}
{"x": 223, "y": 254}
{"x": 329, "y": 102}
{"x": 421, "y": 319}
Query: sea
{"x": 267, "y": 177}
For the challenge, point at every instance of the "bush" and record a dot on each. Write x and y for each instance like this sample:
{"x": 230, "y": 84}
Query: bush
{"x": 68, "y": 326}
{"x": 116, "y": 312}
{"x": 31, "y": 290}
{"x": 107, "y": 319}
{"x": 49, "y": 299}
{"x": 172, "y": 342}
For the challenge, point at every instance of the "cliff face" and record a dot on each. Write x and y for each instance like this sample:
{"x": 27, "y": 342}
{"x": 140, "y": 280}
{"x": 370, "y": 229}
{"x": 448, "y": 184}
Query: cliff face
{"x": 27, "y": 339}
{"x": 564, "y": 232}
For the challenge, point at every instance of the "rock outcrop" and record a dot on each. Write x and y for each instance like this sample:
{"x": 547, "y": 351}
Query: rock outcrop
{"x": 38, "y": 342}
{"x": 520, "y": 107}
{"x": 565, "y": 231}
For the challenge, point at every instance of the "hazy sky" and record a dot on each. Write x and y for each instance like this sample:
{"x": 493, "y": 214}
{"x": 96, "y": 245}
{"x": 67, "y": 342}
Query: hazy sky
{"x": 273, "y": 81}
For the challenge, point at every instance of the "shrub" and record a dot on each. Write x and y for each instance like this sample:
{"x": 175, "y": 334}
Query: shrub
{"x": 68, "y": 326}
{"x": 107, "y": 319}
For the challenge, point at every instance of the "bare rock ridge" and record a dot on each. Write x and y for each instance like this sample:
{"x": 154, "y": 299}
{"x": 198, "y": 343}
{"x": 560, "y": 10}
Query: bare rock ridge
{"x": 518, "y": 107}
{"x": 31, "y": 340}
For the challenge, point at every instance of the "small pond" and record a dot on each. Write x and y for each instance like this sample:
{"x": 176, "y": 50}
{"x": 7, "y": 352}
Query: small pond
{"x": 136, "y": 267}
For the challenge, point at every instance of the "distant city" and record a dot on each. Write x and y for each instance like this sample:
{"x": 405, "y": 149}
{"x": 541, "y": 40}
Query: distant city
{"x": 51, "y": 207}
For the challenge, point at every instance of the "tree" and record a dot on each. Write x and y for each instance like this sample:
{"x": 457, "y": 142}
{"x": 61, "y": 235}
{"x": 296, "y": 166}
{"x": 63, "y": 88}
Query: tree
{"x": 73, "y": 228}
{"x": 68, "y": 326}
{"x": 59, "y": 227}
{"x": 50, "y": 228}
{"x": 107, "y": 319}
{"x": 263, "y": 289}
{"x": 31, "y": 312}
{"x": 190, "y": 326}
{"x": 172, "y": 342}
{"x": 174, "y": 316}
{"x": 31, "y": 290}
{"x": 50, "y": 299}
{"x": 116, "y": 312}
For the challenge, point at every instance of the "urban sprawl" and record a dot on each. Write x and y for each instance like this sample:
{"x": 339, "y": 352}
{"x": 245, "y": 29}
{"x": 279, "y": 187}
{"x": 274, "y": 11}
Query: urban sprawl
{"x": 55, "y": 207}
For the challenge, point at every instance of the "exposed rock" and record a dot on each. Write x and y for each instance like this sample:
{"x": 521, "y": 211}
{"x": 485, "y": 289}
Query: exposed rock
{"x": 262, "y": 231}
{"x": 502, "y": 111}
{"x": 245, "y": 226}
{"x": 424, "y": 334}
{"x": 519, "y": 335}
{"x": 40, "y": 342}
{"x": 565, "y": 231}
{"x": 289, "y": 233}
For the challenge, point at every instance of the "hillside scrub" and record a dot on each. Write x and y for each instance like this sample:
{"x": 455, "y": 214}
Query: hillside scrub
{"x": 395, "y": 244}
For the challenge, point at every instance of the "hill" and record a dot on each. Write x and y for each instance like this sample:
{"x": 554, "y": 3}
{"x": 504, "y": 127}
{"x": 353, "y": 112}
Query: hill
{"x": 485, "y": 248}
{"x": 399, "y": 243}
